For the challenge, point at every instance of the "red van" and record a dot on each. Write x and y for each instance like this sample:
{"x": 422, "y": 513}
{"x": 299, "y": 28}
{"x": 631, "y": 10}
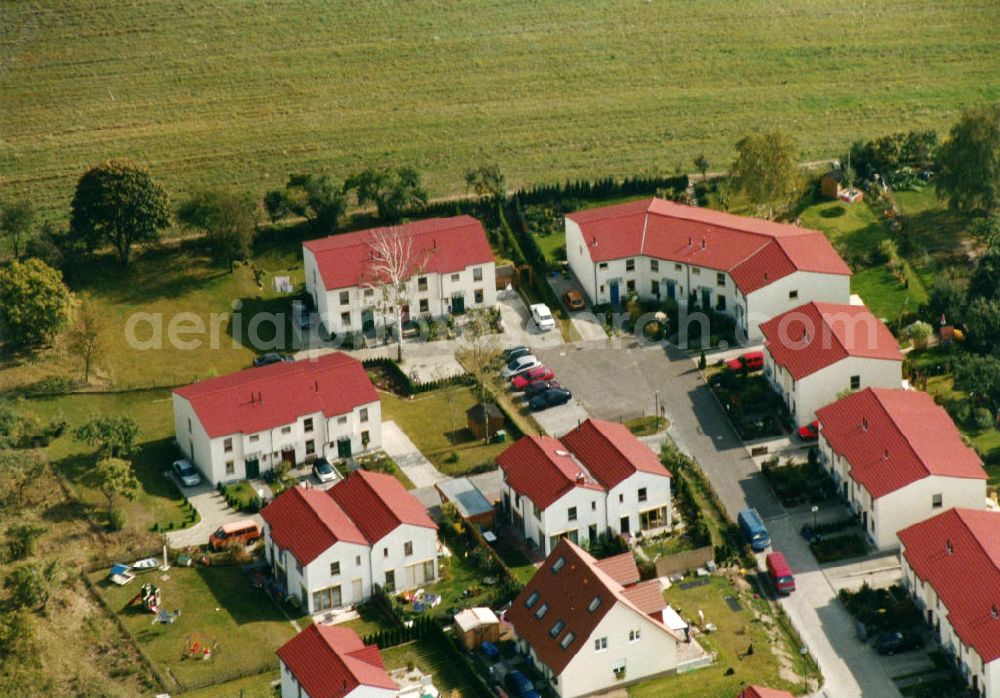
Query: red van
{"x": 751, "y": 361}
{"x": 780, "y": 573}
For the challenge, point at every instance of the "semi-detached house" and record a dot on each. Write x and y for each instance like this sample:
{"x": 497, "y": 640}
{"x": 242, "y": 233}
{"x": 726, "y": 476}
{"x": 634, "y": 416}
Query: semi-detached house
{"x": 449, "y": 268}
{"x": 244, "y": 424}
{"x": 747, "y": 268}
{"x": 951, "y": 567}
{"x": 897, "y": 459}
{"x": 595, "y": 479}
{"x": 330, "y": 548}
{"x": 326, "y": 661}
{"x": 817, "y": 351}
{"x": 590, "y": 625}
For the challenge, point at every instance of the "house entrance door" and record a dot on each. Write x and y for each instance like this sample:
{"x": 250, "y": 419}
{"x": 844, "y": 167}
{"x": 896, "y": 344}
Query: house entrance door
{"x": 253, "y": 468}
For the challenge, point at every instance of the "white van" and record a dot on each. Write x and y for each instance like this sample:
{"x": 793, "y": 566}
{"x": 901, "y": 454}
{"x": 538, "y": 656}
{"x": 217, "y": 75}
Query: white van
{"x": 542, "y": 316}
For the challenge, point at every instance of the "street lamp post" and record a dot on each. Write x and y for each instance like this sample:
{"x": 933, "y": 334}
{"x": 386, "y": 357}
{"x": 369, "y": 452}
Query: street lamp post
{"x": 656, "y": 414}
{"x": 815, "y": 510}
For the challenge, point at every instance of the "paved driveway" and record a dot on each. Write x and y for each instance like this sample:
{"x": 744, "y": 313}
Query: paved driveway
{"x": 214, "y": 512}
{"x": 619, "y": 379}
{"x": 412, "y": 462}
{"x": 520, "y": 329}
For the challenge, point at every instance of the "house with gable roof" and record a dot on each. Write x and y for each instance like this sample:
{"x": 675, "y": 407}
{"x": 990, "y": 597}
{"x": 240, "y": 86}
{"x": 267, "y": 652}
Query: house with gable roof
{"x": 326, "y": 661}
{"x": 244, "y": 424}
{"x": 897, "y": 459}
{"x": 452, "y": 269}
{"x": 763, "y": 692}
{"x": 330, "y": 548}
{"x": 951, "y": 567}
{"x": 597, "y": 478}
{"x": 747, "y": 268}
{"x": 590, "y": 625}
{"x": 817, "y": 351}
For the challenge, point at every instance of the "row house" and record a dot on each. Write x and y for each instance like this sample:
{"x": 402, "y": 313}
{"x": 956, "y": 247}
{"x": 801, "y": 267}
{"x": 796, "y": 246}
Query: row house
{"x": 243, "y": 424}
{"x": 447, "y": 263}
{"x": 897, "y": 458}
{"x": 747, "y": 268}
{"x": 951, "y": 567}
{"x": 326, "y": 661}
{"x": 818, "y": 351}
{"x": 331, "y": 548}
{"x": 590, "y": 625}
{"x": 594, "y": 480}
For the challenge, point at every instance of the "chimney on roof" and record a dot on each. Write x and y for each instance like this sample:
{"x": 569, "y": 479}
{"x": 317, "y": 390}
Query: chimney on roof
{"x": 593, "y": 241}
{"x": 252, "y": 398}
{"x": 885, "y": 454}
{"x": 435, "y": 240}
{"x": 690, "y": 241}
{"x": 580, "y": 478}
{"x": 995, "y": 612}
{"x": 316, "y": 385}
{"x": 864, "y": 424}
{"x": 260, "y": 397}
{"x": 949, "y": 547}
{"x": 765, "y": 276}
{"x": 703, "y": 243}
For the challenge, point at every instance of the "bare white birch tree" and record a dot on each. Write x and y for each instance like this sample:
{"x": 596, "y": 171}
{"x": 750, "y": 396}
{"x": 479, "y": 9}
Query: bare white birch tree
{"x": 481, "y": 355}
{"x": 392, "y": 262}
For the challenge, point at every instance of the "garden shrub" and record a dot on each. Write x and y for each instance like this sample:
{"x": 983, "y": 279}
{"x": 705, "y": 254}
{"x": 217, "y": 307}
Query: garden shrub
{"x": 982, "y": 418}
{"x": 116, "y": 519}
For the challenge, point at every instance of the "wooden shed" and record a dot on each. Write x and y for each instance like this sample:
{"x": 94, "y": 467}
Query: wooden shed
{"x": 469, "y": 500}
{"x": 477, "y": 625}
{"x": 484, "y": 418}
{"x": 830, "y": 184}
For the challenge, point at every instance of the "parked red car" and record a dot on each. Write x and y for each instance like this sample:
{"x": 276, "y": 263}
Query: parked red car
{"x": 751, "y": 361}
{"x": 538, "y": 373}
{"x": 810, "y": 432}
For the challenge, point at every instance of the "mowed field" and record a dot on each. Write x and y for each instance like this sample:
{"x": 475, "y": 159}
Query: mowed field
{"x": 244, "y": 92}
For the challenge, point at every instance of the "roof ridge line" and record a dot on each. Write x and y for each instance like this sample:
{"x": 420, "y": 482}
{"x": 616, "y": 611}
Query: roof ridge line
{"x": 902, "y": 435}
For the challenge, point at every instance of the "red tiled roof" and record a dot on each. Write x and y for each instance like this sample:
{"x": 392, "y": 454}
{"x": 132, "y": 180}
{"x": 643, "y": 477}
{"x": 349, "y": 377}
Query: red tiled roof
{"x": 568, "y": 595}
{"x": 966, "y": 579}
{"x": 754, "y": 252}
{"x": 541, "y": 469}
{"x": 257, "y": 399}
{"x": 621, "y": 568}
{"x": 441, "y": 245}
{"x": 763, "y": 692}
{"x": 813, "y": 336}
{"x": 330, "y": 662}
{"x": 647, "y": 597}
{"x": 308, "y": 522}
{"x": 894, "y": 437}
{"x": 610, "y": 452}
{"x": 378, "y": 504}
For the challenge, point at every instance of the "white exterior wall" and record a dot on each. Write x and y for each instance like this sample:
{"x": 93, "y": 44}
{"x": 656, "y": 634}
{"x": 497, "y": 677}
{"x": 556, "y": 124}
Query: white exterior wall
{"x": 590, "y": 671}
{"x": 821, "y": 388}
{"x": 354, "y": 568}
{"x": 790, "y": 292}
{"x": 623, "y": 500}
{"x": 209, "y": 455}
{"x": 388, "y": 554}
{"x": 913, "y": 503}
{"x": 935, "y": 613}
{"x": 440, "y": 290}
{"x": 590, "y": 511}
{"x": 578, "y": 257}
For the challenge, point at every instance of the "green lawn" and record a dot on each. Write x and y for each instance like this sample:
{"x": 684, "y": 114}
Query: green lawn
{"x": 207, "y": 95}
{"x": 435, "y": 421}
{"x": 853, "y": 225}
{"x": 256, "y": 686}
{"x": 736, "y": 631}
{"x": 427, "y": 656}
{"x": 217, "y": 604}
{"x": 551, "y": 244}
{"x": 458, "y": 576}
{"x": 159, "y": 501}
{"x": 884, "y": 295}
{"x": 521, "y": 567}
{"x": 985, "y": 441}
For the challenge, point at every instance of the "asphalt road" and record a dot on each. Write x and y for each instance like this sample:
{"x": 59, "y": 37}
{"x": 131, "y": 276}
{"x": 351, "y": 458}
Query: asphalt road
{"x": 619, "y": 379}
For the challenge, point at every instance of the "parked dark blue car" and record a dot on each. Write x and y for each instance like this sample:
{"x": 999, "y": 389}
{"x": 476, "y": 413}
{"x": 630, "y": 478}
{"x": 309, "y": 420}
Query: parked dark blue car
{"x": 550, "y": 398}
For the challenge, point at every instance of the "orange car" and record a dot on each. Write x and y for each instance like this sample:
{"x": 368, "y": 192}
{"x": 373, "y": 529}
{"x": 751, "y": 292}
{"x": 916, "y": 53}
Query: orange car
{"x": 246, "y": 532}
{"x": 573, "y": 300}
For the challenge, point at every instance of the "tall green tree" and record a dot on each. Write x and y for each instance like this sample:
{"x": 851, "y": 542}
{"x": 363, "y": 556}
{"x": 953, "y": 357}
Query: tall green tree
{"x": 969, "y": 162}
{"x": 982, "y": 324}
{"x": 116, "y": 478}
{"x": 34, "y": 303}
{"x": 985, "y": 281}
{"x": 19, "y": 469}
{"x": 118, "y": 203}
{"x": 701, "y": 162}
{"x": 979, "y": 376}
{"x": 115, "y": 436}
{"x": 229, "y": 220}
{"x": 317, "y": 198}
{"x": 16, "y": 219}
{"x": 766, "y": 168}
{"x": 31, "y": 585}
{"x": 84, "y": 339}
{"x": 947, "y": 298}
{"x": 487, "y": 181}
{"x": 393, "y": 190}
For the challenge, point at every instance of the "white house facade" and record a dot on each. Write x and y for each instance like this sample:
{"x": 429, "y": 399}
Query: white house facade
{"x": 951, "y": 567}
{"x": 332, "y": 548}
{"x": 747, "y": 268}
{"x": 594, "y": 480}
{"x": 589, "y": 626}
{"x": 819, "y": 351}
{"x": 450, "y": 269}
{"x": 327, "y": 660}
{"x": 897, "y": 458}
{"x": 244, "y": 424}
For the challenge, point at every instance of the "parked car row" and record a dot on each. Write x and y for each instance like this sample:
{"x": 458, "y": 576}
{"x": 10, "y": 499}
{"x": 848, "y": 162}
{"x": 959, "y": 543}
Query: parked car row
{"x": 529, "y": 376}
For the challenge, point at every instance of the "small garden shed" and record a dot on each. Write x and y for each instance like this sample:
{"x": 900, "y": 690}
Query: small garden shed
{"x": 484, "y": 419}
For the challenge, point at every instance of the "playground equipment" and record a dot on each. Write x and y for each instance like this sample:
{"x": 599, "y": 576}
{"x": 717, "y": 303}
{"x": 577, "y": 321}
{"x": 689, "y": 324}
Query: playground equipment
{"x": 196, "y": 648}
{"x": 149, "y": 595}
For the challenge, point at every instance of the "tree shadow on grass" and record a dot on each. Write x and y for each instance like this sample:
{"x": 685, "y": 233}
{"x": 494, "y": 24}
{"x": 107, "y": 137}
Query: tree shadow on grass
{"x": 152, "y": 463}
{"x": 834, "y": 212}
{"x": 265, "y": 325}
{"x": 937, "y": 229}
{"x": 230, "y": 587}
